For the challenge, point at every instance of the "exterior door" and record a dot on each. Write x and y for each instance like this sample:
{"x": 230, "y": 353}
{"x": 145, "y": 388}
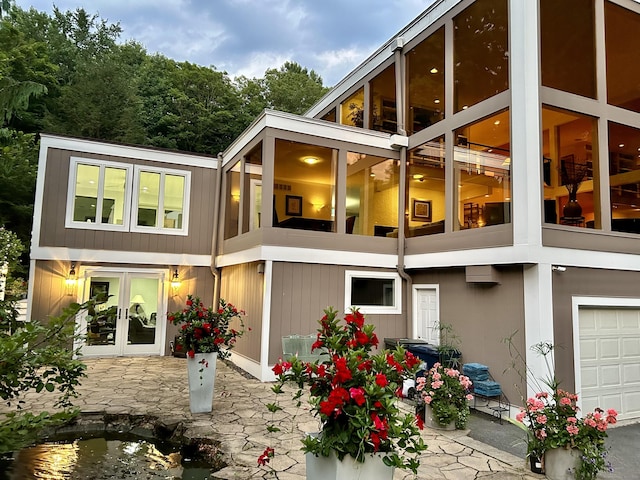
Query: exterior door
{"x": 426, "y": 313}
{"x": 127, "y": 318}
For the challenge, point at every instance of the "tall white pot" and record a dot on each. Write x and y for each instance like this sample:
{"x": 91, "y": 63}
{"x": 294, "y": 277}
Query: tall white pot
{"x": 201, "y": 370}
{"x": 561, "y": 463}
{"x": 330, "y": 468}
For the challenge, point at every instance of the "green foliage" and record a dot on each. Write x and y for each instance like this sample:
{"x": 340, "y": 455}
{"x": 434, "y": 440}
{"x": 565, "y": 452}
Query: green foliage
{"x": 10, "y": 247}
{"x": 445, "y": 390}
{"x": 293, "y": 88}
{"x": 36, "y": 357}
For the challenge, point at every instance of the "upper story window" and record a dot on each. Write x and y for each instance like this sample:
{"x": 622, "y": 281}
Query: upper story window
{"x": 232, "y": 209}
{"x": 352, "y": 110}
{"x": 480, "y": 51}
{"x": 567, "y": 46}
{"x": 373, "y": 292}
{"x": 623, "y": 56}
{"x": 425, "y": 71}
{"x": 115, "y": 196}
{"x": 383, "y": 116}
{"x": 624, "y": 177}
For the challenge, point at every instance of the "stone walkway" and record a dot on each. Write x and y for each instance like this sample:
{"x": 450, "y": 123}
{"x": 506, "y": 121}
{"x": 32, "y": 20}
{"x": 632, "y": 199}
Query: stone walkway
{"x": 157, "y": 386}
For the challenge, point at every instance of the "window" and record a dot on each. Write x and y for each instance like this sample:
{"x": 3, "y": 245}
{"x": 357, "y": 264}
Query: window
{"x": 373, "y": 292}
{"x": 383, "y": 102}
{"x": 99, "y": 195}
{"x": 160, "y": 201}
{"x": 352, "y": 110}
{"x": 624, "y": 177}
{"x": 115, "y": 196}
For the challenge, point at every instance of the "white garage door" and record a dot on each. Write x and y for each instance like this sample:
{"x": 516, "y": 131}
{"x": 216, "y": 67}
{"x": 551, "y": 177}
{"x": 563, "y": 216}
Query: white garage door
{"x": 610, "y": 360}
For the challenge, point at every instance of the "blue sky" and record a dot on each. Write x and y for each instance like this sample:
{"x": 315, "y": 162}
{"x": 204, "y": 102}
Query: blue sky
{"x": 245, "y": 37}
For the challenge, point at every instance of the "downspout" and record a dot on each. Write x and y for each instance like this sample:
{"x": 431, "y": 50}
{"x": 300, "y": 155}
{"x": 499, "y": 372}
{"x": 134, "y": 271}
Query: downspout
{"x": 216, "y": 231}
{"x": 400, "y": 113}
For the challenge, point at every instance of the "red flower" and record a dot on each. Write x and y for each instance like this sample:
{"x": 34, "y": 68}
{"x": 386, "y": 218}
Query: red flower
{"x": 342, "y": 371}
{"x": 191, "y": 353}
{"x": 381, "y": 380}
{"x": 419, "y": 422}
{"x": 357, "y": 394}
{"x": 410, "y": 359}
{"x": 266, "y": 456}
{"x": 189, "y": 302}
{"x": 356, "y": 318}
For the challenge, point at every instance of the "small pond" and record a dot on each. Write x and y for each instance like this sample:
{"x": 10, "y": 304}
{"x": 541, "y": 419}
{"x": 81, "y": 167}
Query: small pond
{"x": 110, "y": 456}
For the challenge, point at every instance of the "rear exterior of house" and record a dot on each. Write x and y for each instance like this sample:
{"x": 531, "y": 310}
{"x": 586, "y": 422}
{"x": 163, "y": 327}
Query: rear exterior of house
{"x": 429, "y": 187}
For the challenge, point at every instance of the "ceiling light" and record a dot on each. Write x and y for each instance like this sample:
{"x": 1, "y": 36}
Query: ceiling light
{"x": 434, "y": 70}
{"x": 372, "y": 175}
{"x": 311, "y": 160}
{"x": 436, "y": 100}
{"x": 464, "y": 107}
{"x": 418, "y": 176}
{"x": 497, "y": 122}
{"x": 621, "y": 145}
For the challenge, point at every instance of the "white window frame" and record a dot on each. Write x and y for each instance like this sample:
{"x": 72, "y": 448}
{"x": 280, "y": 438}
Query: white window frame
{"x": 394, "y": 309}
{"x": 71, "y": 195}
{"x": 138, "y": 169}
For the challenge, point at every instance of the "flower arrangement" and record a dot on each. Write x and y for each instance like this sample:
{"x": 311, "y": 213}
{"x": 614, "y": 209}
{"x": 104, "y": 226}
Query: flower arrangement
{"x": 204, "y": 330}
{"x": 354, "y": 393}
{"x": 446, "y": 391}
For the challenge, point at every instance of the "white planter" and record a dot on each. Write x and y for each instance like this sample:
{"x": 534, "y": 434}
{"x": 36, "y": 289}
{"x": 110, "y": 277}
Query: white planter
{"x": 561, "y": 463}
{"x": 330, "y": 468}
{"x": 201, "y": 370}
{"x": 431, "y": 421}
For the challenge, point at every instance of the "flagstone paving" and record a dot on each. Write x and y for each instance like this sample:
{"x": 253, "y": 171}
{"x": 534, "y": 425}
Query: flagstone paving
{"x": 157, "y": 386}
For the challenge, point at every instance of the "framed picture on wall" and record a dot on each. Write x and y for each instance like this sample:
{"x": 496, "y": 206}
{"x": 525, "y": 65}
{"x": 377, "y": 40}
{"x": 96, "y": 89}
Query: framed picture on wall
{"x": 293, "y": 205}
{"x": 100, "y": 289}
{"x": 421, "y": 210}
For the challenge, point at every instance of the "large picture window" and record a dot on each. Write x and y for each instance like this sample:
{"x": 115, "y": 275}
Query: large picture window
{"x": 373, "y": 292}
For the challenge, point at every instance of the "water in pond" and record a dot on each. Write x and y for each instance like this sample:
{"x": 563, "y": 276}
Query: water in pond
{"x": 101, "y": 459}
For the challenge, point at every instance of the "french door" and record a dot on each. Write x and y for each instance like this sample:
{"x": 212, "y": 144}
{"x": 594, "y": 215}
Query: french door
{"x": 129, "y": 313}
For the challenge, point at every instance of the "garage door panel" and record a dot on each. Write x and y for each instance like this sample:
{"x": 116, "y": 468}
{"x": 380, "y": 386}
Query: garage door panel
{"x": 609, "y": 348}
{"x": 610, "y": 376}
{"x": 590, "y": 377}
{"x": 589, "y": 350}
{"x": 631, "y": 375}
{"x": 607, "y": 320}
{"x": 629, "y": 320}
{"x": 631, "y": 348}
{"x": 630, "y": 406}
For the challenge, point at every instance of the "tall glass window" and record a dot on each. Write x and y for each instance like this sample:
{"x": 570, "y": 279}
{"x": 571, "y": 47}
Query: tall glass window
{"x": 482, "y": 166}
{"x": 383, "y": 115}
{"x": 304, "y": 186}
{"x": 425, "y": 71}
{"x": 426, "y": 189}
{"x": 480, "y": 51}
{"x": 567, "y": 41}
{"x": 623, "y": 56}
{"x": 568, "y": 173}
{"x": 372, "y": 195}
{"x": 252, "y": 202}
{"x": 232, "y": 202}
{"x": 624, "y": 179}
{"x": 352, "y": 110}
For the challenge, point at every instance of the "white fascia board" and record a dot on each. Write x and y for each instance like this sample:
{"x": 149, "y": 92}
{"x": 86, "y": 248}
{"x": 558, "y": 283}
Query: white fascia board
{"x": 308, "y": 255}
{"x": 39, "y": 196}
{"x": 310, "y": 126}
{"x": 408, "y": 33}
{"x": 126, "y": 151}
{"x": 115, "y": 256}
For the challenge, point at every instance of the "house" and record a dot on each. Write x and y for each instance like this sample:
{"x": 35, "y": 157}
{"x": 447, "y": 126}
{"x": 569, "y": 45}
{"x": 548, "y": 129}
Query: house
{"x": 481, "y": 169}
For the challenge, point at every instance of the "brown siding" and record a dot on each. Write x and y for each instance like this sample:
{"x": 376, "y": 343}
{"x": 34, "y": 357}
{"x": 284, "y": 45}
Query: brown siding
{"x": 582, "y": 282}
{"x": 482, "y": 316}
{"x": 49, "y": 290}
{"x": 53, "y": 232}
{"x": 301, "y": 292}
{"x": 588, "y": 239}
{"x": 243, "y": 286}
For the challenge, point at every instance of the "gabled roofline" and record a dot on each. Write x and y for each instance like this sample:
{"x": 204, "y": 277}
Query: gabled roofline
{"x": 408, "y": 33}
{"x": 140, "y": 152}
{"x": 311, "y": 126}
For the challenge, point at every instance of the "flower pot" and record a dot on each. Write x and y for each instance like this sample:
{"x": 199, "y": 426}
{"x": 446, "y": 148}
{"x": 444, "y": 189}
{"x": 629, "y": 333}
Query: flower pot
{"x": 330, "y": 468}
{"x": 201, "y": 370}
{"x": 431, "y": 421}
{"x": 536, "y": 464}
{"x": 561, "y": 463}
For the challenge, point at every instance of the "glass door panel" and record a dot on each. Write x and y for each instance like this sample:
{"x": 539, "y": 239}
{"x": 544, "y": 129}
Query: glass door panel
{"x": 142, "y": 311}
{"x": 102, "y": 316}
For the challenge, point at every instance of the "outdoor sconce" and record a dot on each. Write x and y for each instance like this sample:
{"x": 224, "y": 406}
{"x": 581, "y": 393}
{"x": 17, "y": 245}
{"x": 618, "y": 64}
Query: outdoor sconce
{"x": 175, "y": 282}
{"x": 558, "y": 268}
{"x": 71, "y": 280}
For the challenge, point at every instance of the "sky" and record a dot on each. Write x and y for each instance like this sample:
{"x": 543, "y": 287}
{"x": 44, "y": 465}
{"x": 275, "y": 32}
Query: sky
{"x": 246, "y": 37}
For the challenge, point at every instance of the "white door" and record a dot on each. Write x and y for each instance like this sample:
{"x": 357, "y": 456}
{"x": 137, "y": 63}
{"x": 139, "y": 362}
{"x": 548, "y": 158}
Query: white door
{"x": 610, "y": 360}
{"x": 426, "y": 313}
{"x": 128, "y": 318}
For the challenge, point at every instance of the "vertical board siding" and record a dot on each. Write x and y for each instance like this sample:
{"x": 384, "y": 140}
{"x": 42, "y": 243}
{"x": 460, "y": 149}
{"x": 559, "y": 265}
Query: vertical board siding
{"x": 301, "y": 292}
{"x": 243, "y": 286}
{"x": 53, "y": 232}
{"x": 49, "y": 289}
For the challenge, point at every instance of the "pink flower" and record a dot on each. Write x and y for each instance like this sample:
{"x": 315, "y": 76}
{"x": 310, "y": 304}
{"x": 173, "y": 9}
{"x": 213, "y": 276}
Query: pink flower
{"x": 436, "y": 384}
{"x": 565, "y": 401}
{"x": 541, "y": 419}
{"x": 521, "y": 416}
{"x": 572, "y": 429}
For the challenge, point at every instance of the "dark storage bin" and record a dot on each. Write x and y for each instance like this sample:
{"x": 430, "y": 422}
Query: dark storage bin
{"x": 391, "y": 343}
{"x": 425, "y": 352}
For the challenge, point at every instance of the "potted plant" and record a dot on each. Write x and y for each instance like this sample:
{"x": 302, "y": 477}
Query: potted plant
{"x": 444, "y": 392}
{"x": 354, "y": 393}
{"x": 205, "y": 335}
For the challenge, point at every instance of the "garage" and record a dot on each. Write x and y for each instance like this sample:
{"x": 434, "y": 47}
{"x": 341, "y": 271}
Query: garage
{"x": 609, "y": 367}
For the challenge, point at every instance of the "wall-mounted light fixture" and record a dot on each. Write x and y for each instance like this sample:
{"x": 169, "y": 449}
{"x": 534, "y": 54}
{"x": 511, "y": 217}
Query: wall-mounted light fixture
{"x": 71, "y": 280}
{"x": 175, "y": 282}
{"x": 558, "y": 268}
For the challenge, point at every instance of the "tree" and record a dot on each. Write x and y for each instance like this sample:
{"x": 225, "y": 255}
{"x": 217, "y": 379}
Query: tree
{"x": 293, "y": 88}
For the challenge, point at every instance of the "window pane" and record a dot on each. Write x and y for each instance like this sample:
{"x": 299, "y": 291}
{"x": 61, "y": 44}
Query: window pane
{"x": 304, "y": 186}
{"x": 115, "y": 180}
{"x": 352, "y": 110}
{"x": 481, "y": 64}
{"x": 232, "y": 209}
{"x": 372, "y": 291}
{"x": 482, "y": 165}
{"x": 624, "y": 171}
{"x": 623, "y": 56}
{"x": 252, "y": 203}
{"x": 426, "y": 189}
{"x": 173, "y": 201}
{"x": 372, "y": 195}
{"x": 330, "y": 116}
{"x": 86, "y": 193}
{"x": 568, "y": 173}
{"x": 425, "y": 67}
{"x": 383, "y": 102}
{"x": 148, "y": 197}
{"x": 567, "y": 43}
